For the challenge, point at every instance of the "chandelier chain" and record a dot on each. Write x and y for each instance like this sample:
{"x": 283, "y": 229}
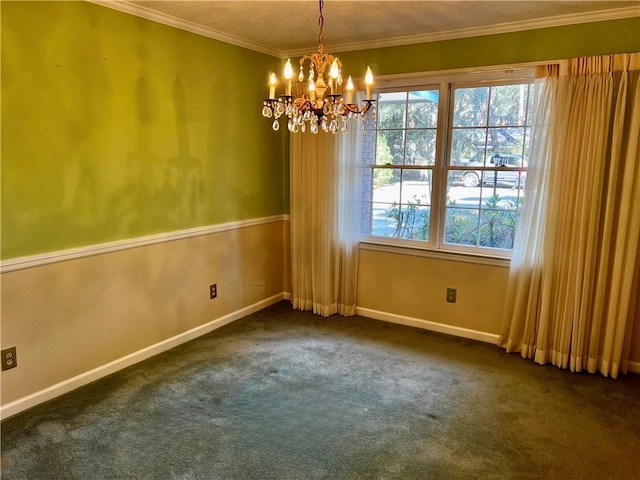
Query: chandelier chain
{"x": 321, "y": 25}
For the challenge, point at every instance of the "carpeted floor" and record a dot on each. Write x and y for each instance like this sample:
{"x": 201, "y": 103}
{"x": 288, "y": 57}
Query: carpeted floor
{"x": 288, "y": 395}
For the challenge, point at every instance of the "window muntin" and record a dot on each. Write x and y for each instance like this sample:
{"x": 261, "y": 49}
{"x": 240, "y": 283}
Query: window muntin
{"x": 465, "y": 196}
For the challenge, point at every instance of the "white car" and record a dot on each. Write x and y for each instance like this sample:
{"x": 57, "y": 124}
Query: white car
{"x": 512, "y": 172}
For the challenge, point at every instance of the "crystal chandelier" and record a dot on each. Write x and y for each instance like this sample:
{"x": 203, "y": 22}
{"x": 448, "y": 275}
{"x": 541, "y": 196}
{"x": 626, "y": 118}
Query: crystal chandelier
{"x": 315, "y": 107}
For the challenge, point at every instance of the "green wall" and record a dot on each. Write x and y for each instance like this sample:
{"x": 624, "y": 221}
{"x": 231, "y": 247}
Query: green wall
{"x": 614, "y": 36}
{"x": 115, "y": 127}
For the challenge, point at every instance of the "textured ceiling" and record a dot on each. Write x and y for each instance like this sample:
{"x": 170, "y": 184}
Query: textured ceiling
{"x": 290, "y": 26}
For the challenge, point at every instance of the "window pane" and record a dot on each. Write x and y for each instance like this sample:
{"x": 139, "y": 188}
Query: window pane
{"x": 414, "y": 222}
{"x": 468, "y": 146}
{"x": 500, "y": 209}
{"x": 470, "y": 107}
{"x": 508, "y": 105}
{"x": 505, "y": 140}
{"x": 416, "y": 187}
{"x": 423, "y": 109}
{"x": 390, "y": 147}
{"x": 384, "y": 222}
{"x": 386, "y": 185}
{"x": 386, "y": 200}
{"x": 497, "y": 228}
{"x": 461, "y": 192}
{"x": 497, "y": 220}
{"x": 461, "y": 226}
{"x": 414, "y": 214}
{"x": 421, "y": 147}
{"x": 392, "y": 110}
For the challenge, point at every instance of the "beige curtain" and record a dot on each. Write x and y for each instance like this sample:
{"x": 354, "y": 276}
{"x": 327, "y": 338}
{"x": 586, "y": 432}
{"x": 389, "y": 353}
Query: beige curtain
{"x": 574, "y": 273}
{"x": 324, "y": 249}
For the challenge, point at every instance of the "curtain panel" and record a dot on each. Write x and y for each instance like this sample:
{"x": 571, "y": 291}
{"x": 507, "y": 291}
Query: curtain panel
{"x": 324, "y": 249}
{"x": 571, "y": 298}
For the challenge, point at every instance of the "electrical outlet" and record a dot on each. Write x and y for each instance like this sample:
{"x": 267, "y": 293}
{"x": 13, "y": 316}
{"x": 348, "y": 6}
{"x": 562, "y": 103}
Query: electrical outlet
{"x": 213, "y": 291}
{"x": 451, "y": 295}
{"x": 9, "y": 358}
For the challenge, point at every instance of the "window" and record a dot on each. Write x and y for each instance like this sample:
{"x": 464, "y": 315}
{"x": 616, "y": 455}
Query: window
{"x": 444, "y": 165}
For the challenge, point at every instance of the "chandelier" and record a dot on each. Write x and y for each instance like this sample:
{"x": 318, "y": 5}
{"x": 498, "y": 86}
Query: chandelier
{"x": 321, "y": 104}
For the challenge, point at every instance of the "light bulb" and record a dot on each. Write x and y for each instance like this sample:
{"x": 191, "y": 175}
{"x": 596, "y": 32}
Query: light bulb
{"x": 349, "y": 90}
{"x": 288, "y": 70}
{"x": 272, "y": 85}
{"x": 368, "y": 79}
{"x": 334, "y": 71}
{"x": 312, "y": 90}
{"x": 288, "y": 73}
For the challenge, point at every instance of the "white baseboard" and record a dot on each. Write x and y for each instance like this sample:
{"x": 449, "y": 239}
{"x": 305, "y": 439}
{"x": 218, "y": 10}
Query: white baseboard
{"x": 70, "y": 384}
{"x": 634, "y": 367}
{"x": 85, "y": 378}
{"x": 427, "y": 325}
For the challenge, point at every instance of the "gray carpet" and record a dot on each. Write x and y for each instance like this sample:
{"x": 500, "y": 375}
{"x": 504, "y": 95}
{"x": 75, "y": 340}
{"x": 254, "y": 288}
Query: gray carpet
{"x": 288, "y": 395}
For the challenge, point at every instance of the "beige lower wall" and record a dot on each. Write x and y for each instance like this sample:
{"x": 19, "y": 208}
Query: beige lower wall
{"x": 415, "y": 287}
{"x": 286, "y": 256}
{"x": 70, "y": 317}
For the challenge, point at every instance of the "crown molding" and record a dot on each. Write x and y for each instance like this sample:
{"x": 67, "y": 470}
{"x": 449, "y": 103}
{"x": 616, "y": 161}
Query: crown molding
{"x": 149, "y": 14}
{"x": 510, "y": 27}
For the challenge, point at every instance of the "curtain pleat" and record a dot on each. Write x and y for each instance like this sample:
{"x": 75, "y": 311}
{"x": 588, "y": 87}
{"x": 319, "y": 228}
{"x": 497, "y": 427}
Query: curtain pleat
{"x": 623, "y": 235}
{"x": 573, "y": 279}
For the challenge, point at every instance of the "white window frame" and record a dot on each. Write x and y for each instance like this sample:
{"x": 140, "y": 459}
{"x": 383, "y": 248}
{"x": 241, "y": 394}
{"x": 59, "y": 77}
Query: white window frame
{"x": 443, "y": 81}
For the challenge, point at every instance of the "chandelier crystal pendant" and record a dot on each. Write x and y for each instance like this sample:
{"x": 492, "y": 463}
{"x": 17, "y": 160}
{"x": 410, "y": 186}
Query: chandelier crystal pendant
{"x": 322, "y": 105}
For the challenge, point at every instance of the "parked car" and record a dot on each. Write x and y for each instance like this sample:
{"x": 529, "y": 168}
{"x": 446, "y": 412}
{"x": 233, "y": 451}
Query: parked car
{"x": 509, "y": 174}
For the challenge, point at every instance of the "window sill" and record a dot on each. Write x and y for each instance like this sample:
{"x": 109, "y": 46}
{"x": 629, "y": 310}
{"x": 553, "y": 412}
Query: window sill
{"x": 436, "y": 254}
